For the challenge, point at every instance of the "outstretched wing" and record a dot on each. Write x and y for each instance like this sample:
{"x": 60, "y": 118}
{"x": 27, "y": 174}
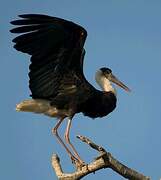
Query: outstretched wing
{"x": 56, "y": 46}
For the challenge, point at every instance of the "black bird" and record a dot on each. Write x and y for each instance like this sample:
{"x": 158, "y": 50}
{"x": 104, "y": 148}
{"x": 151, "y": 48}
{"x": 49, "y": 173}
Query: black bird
{"x": 56, "y": 80}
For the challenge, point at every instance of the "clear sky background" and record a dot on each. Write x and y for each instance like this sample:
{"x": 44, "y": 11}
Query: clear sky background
{"x": 124, "y": 35}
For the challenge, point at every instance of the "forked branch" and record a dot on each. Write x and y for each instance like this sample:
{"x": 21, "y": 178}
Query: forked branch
{"x": 104, "y": 160}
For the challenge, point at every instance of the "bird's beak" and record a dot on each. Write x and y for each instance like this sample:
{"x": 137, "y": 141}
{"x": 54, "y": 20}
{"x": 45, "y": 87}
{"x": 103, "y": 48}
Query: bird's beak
{"x": 119, "y": 83}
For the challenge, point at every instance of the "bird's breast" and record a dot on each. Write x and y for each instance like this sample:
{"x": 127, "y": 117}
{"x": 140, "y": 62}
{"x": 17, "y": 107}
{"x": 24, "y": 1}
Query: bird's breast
{"x": 99, "y": 105}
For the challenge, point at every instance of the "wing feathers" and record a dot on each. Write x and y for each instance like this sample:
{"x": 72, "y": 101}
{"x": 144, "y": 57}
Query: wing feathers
{"x": 28, "y": 28}
{"x": 36, "y": 16}
{"x": 56, "y": 46}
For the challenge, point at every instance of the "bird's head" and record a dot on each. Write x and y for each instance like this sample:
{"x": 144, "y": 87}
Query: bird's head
{"x": 107, "y": 73}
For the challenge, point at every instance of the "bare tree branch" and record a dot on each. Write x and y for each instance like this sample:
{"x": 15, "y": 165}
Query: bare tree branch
{"x": 104, "y": 160}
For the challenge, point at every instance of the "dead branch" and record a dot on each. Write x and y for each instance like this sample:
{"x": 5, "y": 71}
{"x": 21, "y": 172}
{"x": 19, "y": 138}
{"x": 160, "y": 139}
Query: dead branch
{"x": 104, "y": 160}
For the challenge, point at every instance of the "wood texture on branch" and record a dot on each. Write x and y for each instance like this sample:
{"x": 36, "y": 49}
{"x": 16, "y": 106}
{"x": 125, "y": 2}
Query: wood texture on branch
{"x": 104, "y": 160}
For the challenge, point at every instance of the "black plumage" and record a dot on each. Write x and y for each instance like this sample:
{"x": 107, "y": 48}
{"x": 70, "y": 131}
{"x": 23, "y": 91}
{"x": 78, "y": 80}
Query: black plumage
{"x": 56, "y": 79}
{"x": 56, "y": 69}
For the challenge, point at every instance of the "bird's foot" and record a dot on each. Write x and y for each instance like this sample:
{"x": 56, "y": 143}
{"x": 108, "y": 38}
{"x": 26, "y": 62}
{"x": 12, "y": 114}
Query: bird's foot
{"x": 78, "y": 162}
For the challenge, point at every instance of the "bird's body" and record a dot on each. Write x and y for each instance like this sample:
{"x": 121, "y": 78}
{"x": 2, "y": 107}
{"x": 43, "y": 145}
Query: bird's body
{"x": 57, "y": 82}
{"x": 94, "y": 107}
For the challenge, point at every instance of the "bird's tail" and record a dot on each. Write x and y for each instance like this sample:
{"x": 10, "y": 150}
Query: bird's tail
{"x": 38, "y": 106}
{"x": 31, "y": 105}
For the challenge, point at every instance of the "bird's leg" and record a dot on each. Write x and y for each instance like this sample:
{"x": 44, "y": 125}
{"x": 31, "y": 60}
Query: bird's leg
{"x": 55, "y": 132}
{"x": 70, "y": 144}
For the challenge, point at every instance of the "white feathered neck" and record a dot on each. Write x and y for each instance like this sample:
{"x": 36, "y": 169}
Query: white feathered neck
{"x": 104, "y": 83}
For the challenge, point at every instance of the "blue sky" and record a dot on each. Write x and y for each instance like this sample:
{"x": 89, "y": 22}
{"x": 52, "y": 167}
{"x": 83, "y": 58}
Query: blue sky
{"x": 123, "y": 35}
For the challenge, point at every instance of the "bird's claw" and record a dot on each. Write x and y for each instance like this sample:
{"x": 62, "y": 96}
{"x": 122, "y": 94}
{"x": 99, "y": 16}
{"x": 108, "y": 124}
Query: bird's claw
{"x": 78, "y": 163}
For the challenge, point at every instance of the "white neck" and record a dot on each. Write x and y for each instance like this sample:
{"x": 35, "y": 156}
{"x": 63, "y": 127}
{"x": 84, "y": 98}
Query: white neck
{"x": 103, "y": 82}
